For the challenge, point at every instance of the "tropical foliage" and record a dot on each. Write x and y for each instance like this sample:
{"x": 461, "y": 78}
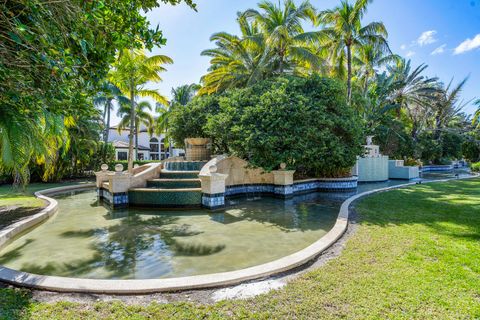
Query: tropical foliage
{"x": 412, "y": 115}
{"x": 131, "y": 72}
{"x": 54, "y": 56}
{"x": 303, "y": 122}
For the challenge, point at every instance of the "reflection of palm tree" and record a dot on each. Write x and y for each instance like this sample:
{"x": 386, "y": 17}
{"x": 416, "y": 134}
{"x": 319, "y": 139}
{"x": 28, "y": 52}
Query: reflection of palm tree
{"x": 122, "y": 245}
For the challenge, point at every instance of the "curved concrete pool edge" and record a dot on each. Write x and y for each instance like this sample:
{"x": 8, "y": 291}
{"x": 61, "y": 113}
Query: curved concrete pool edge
{"x": 145, "y": 286}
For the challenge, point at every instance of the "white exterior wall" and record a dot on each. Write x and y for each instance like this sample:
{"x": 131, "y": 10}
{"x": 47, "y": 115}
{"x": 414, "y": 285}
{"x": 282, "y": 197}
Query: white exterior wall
{"x": 143, "y": 140}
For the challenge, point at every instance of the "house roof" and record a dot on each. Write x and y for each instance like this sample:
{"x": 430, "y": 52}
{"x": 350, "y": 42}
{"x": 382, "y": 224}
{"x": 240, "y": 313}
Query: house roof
{"x": 124, "y": 145}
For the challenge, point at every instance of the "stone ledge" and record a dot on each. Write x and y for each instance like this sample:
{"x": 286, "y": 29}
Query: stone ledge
{"x": 63, "y": 284}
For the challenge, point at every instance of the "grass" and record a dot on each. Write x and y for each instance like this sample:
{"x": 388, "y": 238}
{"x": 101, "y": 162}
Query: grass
{"x": 16, "y": 203}
{"x": 415, "y": 255}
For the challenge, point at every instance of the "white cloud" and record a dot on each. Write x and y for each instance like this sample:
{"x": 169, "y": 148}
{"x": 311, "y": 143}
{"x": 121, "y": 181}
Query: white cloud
{"x": 439, "y": 50}
{"x": 427, "y": 37}
{"x": 410, "y": 54}
{"x": 468, "y": 45}
{"x": 403, "y": 46}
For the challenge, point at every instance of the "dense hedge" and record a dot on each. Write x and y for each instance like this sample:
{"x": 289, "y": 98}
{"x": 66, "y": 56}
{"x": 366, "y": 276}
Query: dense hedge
{"x": 303, "y": 122}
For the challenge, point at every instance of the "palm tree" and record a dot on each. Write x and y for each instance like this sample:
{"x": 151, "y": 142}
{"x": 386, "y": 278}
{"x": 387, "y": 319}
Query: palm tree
{"x": 447, "y": 106}
{"x": 142, "y": 118}
{"x": 184, "y": 94}
{"x": 284, "y": 33}
{"x": 181, "y": 96}
{"x": 36, "y": 137}
{"x": 476, "y": 116}
{"x": 104, "y": 99}
{"x": 344, "y": 33}
{"x": 236, "y": 61}
{"x": 131, "y": 72}
{"x": 413, "y": 92}
{"x": 368, "y": 59}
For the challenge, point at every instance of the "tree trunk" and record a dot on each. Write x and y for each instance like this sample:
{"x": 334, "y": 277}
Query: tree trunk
{"x": 136, "y": 140}
{"x": 132, "y": 128}
{"x": 349, "y": 74}
{"x": 106, "y": 133}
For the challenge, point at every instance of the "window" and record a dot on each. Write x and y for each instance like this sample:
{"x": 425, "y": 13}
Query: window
{"x": 122, "y": 155}
{"x": 140, "y": 157}
{"x": 162, "y": 146}
{"x": 154, "y": 149}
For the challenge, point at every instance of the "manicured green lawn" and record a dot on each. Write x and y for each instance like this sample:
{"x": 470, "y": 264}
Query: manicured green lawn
{"x": 416, "y": 254}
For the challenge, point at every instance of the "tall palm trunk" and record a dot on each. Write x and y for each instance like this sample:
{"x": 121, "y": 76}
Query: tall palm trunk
{"x": 349, "y": 73}
{"x": 136, "y": 139}
{"x": 132, "y": 128}
{"x": 107, "y": 131}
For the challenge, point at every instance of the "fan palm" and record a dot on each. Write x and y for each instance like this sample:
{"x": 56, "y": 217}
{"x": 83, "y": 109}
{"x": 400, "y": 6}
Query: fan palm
{"x": 131, "y": 72}
{"x": 344, "y": 33}
{"x": 142, "y": 118}
{"x": 104, "y": 100}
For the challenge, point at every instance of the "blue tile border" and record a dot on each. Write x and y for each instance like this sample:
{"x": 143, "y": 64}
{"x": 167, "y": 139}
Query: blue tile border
{"x": 340, "y": 185}
{"x": 116, "y": 200}
{"x": 213, "y": 201}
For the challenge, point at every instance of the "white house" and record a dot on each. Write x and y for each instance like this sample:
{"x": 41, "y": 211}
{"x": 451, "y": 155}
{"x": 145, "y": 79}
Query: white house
{"x": 149, "y": 147}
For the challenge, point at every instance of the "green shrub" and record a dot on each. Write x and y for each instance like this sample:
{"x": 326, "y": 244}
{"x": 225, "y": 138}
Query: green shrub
{"x": 475, "y": 167}
{"x": 303, "y": 122}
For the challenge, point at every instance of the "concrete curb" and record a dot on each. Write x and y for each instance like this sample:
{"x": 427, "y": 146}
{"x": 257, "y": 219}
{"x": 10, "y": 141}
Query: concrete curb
{"x": 64, "y": 284}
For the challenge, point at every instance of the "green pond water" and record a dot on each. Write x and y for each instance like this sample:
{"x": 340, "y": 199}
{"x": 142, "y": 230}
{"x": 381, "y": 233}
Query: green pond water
{"x": 85, "y": 239}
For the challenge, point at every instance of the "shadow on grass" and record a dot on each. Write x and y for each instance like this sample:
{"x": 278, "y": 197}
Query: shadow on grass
{"x": 10, "y": 216}
{"x": 451, "y": 208}
{"x": 14, "y": 303}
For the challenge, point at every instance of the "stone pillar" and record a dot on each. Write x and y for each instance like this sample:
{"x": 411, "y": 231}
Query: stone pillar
{"x": 102, "y": 176}
{"x": 118, "y": 185}
{"x": 283, "y": 181}
{"x": 213, "y": 189}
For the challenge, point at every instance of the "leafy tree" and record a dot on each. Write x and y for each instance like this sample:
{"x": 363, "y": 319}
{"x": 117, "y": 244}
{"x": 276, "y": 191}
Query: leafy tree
{"x": 304, "y": 122}
{"x": 344, "y": 33}
{"x": 189, "y": 121}
{"x": 53, "y": 57}
{"x": 131, "y": 72}
{"x": 181, "y": 96}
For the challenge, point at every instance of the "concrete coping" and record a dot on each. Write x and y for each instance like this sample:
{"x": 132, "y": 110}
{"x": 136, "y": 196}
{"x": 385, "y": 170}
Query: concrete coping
{"x": 144, "y": 286}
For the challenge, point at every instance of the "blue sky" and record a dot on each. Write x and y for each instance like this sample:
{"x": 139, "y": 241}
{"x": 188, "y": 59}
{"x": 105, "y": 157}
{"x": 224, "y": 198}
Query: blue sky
{"x": 445, "y": 34}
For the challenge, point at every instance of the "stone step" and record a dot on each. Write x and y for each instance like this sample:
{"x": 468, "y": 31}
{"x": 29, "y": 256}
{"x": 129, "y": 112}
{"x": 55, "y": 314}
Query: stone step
{"x": 166, "y": 198}
{"x": 168, "y": 174}
{"x": 174, "y": 183}
{"x": 184, "y": 165}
